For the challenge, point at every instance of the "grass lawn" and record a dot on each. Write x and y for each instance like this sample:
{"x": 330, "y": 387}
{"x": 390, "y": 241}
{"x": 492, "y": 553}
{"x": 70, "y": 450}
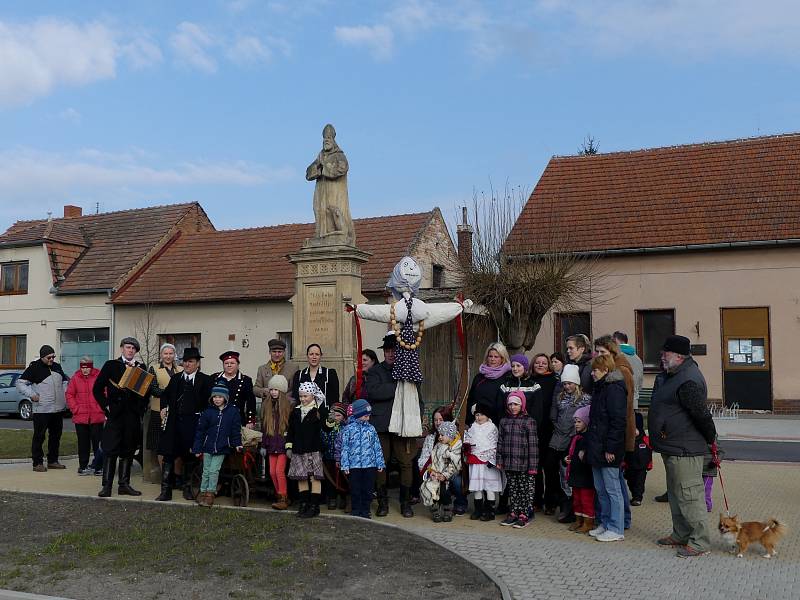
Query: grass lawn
{"x": 97, "y": 549}
{"x": 16, "y": 443}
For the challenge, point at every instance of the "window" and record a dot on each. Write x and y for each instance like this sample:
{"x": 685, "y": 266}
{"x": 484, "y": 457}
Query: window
{"x": 438, "y": 276}
{"x": 652, "y": 329}
{"x": 568, "y": 324}
{"x": 286, "y": 338}
{"x": 76, "y": 343}
{"x": 12, "y": 351}
{"x": 14, "y": 278}
{"x": 181, "y": 341}
{"x": 7, "y": 380}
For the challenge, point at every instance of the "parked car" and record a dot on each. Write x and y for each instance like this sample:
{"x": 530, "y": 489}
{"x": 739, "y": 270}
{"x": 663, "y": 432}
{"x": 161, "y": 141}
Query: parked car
{"x": 11, "y": 401}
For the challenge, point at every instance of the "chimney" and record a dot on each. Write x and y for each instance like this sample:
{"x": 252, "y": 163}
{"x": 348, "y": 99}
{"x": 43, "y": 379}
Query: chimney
{"x": 464, "y": 231}
{"x": 71, "y": 211}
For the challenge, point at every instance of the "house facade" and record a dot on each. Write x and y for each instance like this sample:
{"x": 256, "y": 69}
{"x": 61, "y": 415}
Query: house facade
{"x": 58, "y": 275}
{"x": 700, "y": 240}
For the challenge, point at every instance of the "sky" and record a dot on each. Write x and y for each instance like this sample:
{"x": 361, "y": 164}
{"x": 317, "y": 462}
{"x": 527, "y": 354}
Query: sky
{"x": 133, "y": 104}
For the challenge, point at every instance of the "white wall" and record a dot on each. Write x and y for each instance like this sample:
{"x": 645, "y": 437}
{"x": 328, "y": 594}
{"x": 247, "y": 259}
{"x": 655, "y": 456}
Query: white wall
{"x": 39, "y": 314}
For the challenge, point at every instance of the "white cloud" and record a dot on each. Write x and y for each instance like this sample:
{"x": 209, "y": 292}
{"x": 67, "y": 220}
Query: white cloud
{"x": 90, "y": 173}
{"x": 142, "y": 52}
{"x": 248, "y": 50}
{"x": 379, "y": 39}
{"x": 71, "y": 115}
{"x": 191, "y": 43}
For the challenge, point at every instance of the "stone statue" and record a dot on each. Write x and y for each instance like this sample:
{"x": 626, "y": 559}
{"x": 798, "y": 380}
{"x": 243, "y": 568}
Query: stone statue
{"x": 331, "y": 205}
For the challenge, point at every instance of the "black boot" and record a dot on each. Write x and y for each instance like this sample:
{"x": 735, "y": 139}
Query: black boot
{"x": 488, "y": 510}
{"x": 125, "y": 488}
{"x": 109, "y": 470}
{"x": 312, "y": 507}
{"x": 166, "y": 483}
{"x": 188, "y": 468}
{"x": 405, "y": 502}
{"x": 478, "y": 511}
{"x": 302, "y": 508}
{"x": 383, "y": 502}
{"x": 567, "y": 515}
{"x": 177, "y": 481}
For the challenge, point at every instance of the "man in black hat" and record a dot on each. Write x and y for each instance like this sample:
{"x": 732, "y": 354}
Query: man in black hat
{"x": 277, "y": 365}
{"x": 681, "y": 429}
{"x": 122, "y": 433}
{"x": 240, "y": 387}
{"x": 186, "y": 396}
{"x": 380, "y": 387}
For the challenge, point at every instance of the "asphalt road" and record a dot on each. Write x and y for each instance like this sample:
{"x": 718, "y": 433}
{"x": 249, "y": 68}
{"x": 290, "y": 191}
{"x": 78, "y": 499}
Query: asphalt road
{"x": 9, "y": 422}
{"x": 764, "y": 451}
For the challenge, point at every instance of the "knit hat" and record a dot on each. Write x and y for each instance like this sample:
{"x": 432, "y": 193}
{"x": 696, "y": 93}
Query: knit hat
{"x": 349, "y": 410}
{"x": 484, "y": 408}
{"x": 448, "y": 429}
{"x": 521, "y": 359}
{"x": 361, "y": 408}
{"x": 278, "y": 382}
{"x": 312, "y": 389}
{"x": 219, "y": 390}
{"x": 516, "y": 397}
{"x": 583, "y": 414}
{"x": 340, "y": 408}
{"x": 46, "y": 351}
{"x": 678, "y": 344}
{"x": 132, "y": 341}
{"x": 571, "y": 374}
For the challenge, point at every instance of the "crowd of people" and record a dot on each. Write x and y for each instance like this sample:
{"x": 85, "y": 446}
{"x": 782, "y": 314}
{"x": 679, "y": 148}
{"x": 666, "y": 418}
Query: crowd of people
{"x": 554, "y": 435}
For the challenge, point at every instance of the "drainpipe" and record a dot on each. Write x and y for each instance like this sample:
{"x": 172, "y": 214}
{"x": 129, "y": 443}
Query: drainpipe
{"x": 112, "y": 329}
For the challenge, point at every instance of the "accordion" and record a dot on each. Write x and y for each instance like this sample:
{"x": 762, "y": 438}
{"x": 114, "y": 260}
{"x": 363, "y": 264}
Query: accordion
{"x": 137, "y": 380}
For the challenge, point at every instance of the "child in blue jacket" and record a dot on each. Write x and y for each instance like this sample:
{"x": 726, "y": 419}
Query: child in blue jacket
{"x": 219, "y": 430}
{"x": 362, "y": 457}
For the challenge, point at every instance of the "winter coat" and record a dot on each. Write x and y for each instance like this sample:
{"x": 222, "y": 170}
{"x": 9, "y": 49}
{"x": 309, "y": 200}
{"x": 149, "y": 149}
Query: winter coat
{"x": 607, "y": 421}
{"x": 240, "y": 394}
{"x": 303, "y": 435}
{"x": 219, "y": 431}
{"x": 486, "y": 390}
{"x": 49, "y": 383}
{"x": 425, "y": 452}
{"x": 326, "y": 379}
{"x": 562, "y": 415}
{"x": 624, "y": 367}
{"x": 330, "y": 430}
{"x": 264, "y": 374}
{"x": 637, "y": 368}
{"x": 445, "y": 459}
{"x": 116, "y": 401}
{"x": 585, "y": 365}
{"x": 517, "y": 443}
{"x": 534, "y": 395}
{"x": 579, "y": 471}
{"x": 679, "y": 421}
{"x": 361, "y": 448}
{"x": 80, "y": 399}
{"x": 380, "y": 387}
{"x": 548, "y": 381}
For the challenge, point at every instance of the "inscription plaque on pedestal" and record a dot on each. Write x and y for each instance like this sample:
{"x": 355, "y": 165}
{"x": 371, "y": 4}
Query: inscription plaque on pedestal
{"x": 321, "y": 311}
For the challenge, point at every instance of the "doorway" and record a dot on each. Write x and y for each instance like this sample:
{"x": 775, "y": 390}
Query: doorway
{"x": 746, "y": 365}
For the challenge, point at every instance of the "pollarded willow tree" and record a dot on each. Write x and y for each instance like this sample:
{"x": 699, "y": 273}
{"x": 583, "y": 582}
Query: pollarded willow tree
{"x": 518, "y": 282}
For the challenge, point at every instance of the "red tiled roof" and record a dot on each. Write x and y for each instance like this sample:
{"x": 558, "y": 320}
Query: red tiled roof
{"x": 114, "y": 242}
{"x": 252, "y": 264}
{"x": 699, "y": 194}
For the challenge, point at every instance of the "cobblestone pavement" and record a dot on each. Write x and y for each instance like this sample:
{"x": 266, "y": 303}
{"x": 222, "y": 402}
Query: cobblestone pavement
{"x": 545, "y": 561}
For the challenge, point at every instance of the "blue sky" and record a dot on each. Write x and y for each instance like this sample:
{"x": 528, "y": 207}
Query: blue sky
{"x": 131, "y": 104}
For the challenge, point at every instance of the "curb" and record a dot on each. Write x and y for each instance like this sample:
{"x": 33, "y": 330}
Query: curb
{"x": 12, "y": 595}
{"x": 17, "y": 461}
{"x": 499, "y": 583}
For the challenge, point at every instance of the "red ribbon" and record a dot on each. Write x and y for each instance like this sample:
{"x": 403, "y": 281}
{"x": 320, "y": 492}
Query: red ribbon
{"x": 359, "y": 370}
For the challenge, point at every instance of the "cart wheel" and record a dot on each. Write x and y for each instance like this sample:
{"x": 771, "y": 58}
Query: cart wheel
{"x": 197, "y": 479}
{"x": 240, "y": 490}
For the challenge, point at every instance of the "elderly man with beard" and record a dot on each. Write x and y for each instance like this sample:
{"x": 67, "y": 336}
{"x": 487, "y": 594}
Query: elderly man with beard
{"x": 122, "y": 433}
{"x": 681, "y": 428}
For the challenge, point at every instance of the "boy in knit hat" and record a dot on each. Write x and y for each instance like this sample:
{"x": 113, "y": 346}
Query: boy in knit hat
{"x": 362, "y": 457}
{"x": 445, "y": 464}
{"x": 579, "y": 475}
{"x": 218, "y": 432}
{"x": 331, "y": 430}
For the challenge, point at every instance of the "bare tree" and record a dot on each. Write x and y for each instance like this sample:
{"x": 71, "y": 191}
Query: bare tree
{"x": 516, "y": 287}
{"x": 588, "y": 146}
{"x": 146, "y": 329}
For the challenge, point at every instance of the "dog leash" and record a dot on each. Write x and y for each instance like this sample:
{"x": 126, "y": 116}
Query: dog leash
{"x": 715, "y": 459}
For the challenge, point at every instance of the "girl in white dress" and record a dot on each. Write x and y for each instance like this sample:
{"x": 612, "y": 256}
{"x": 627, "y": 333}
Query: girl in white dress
{"x": 485, "y": 479}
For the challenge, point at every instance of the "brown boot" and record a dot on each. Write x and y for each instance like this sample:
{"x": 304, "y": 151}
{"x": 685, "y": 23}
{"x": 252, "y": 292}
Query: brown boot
{"x": 201, "y": 498}
{"x": 282, "y": 503}
{"x": 577, "y": 524}
{"x": 209, "y": 502}
{"x": 588, "y": 525}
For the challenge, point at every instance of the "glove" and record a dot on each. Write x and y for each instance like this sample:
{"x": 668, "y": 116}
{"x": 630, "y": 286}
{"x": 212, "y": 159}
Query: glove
{"x": 532, "y": 472}
{"x": 289, "y": 454}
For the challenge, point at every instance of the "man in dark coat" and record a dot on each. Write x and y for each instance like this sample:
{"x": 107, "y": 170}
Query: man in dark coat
{"x": 380, "y": 386}
{"x": 185, "y": 398}
{"x": 681, "y": 428}
{"x": 122, "y": 433}
{"x": 240, "y": 387}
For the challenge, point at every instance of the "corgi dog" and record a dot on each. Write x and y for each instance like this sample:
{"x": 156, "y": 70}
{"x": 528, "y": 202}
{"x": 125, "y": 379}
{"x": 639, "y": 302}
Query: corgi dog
{"x": 743, "y": 534}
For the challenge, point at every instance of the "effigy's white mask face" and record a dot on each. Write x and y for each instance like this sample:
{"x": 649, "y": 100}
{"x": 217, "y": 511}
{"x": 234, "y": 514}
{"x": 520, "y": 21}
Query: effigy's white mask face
{"x": 411, "y": 271}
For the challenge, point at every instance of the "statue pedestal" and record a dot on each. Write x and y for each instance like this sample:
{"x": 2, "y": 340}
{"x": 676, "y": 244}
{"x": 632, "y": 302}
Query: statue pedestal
{"x": 326, "y": 278}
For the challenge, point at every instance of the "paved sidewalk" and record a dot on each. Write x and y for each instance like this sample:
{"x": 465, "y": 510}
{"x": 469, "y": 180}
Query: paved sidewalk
{"x": 547, "y": 561}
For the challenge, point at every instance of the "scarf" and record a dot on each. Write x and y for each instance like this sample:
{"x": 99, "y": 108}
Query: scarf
{"x": 276, "y": 367}
{"x": 37, "y": 372}
{"x": 305, "y": 409}
{"x": 494, "y": 372}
